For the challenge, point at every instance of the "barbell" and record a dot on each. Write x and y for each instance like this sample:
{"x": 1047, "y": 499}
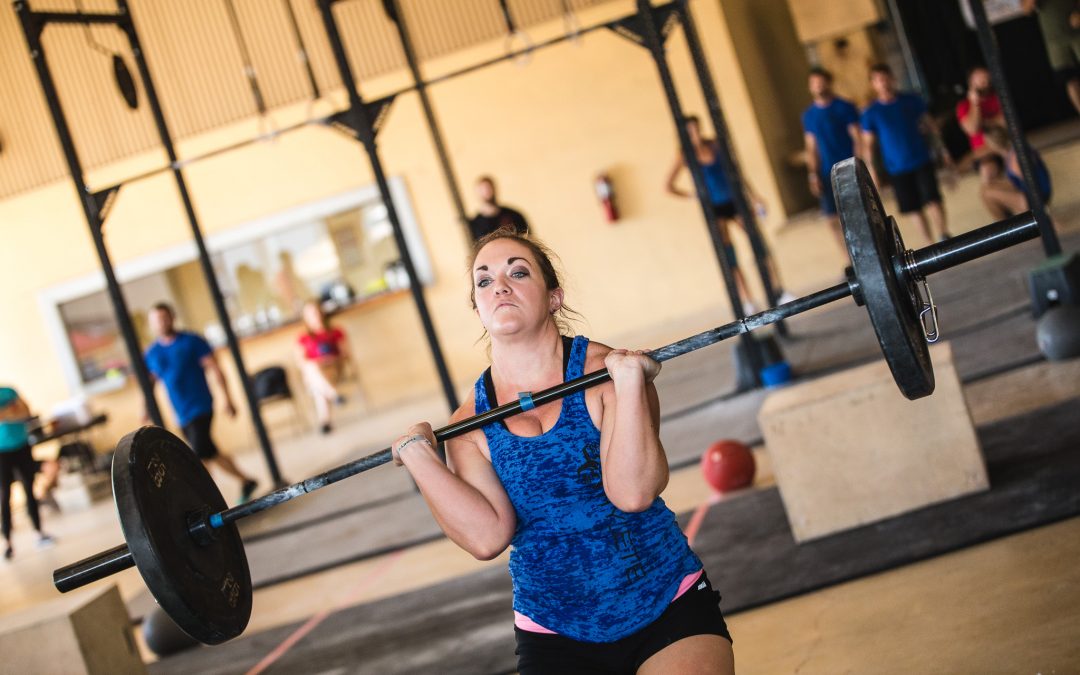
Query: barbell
{"x": 183, "y": 538}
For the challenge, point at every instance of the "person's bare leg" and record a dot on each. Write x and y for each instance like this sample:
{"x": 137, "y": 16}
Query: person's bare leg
{"x": 322, "y": 391}
{"x": 694, "y": 655}
{"x": 1008, "y": 199}
{"x": 838, "y": 232}
{"x": 935, "y": 212}
{"x": 989, "y": 169}
{"x": 1072, "y": 87}
{"x": 920, "y": 219}
{"x": 225, "y": 463}
{"x": 989, "y": 196}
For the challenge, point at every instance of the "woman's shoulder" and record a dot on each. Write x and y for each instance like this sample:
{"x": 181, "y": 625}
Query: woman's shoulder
{"x": 466, "y": 410}
{"x": 595, "y": 354}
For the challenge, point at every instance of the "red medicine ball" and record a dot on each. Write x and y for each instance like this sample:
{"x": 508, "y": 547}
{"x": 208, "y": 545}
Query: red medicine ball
{"x": 728, "y": 465}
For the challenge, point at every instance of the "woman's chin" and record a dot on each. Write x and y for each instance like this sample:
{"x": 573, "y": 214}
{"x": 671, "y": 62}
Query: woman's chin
{"x": 511, "y": 329}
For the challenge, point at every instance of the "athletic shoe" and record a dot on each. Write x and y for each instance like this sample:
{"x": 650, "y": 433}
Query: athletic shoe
{"x": 45, "y": 541}
{"x": 785, "y": 297}
{"x": 326, "y": 428}
{"x": 9, "y": 553}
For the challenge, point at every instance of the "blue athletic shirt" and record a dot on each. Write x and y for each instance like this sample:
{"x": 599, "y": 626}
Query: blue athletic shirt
{"x": 896, "y": 125}
{"x": 716, "y": 181}
{"x": 13, "y": 435}
{"x": 179, "y": 366}
{"x": 580, "y": 566}
{"x": 829, "y": 126}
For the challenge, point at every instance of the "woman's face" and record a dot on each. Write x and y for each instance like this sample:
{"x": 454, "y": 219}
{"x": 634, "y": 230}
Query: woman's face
{"x": 693, "y": 129}
{"x": 509, "y": 289}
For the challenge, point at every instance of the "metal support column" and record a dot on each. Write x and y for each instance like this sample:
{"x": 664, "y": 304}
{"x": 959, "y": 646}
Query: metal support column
{"x": 397, "y": 16}
{"x": 32, "y": 26}
{"x": 727, "y": 157}
{"x": 988, "y": 43}
{"x": 196, "y": 229}
{"x": 361, "y": 123}
{"x": 653, "y": 41}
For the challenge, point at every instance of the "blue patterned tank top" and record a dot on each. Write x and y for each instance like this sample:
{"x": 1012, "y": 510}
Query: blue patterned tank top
{"x": 580, "y": 566}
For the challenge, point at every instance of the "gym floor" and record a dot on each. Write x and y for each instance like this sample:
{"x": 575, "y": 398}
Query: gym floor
{"x": 1011, "y": 605}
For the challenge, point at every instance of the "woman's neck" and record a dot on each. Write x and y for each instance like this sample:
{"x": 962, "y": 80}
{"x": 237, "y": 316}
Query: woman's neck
{"x": 528, "y": 359}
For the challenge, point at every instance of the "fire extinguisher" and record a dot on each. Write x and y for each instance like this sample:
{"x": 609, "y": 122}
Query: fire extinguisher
{"x": 606, "y": 194}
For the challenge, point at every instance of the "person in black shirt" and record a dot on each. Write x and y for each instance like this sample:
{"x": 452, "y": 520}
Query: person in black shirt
{"x": 492, "y": 215}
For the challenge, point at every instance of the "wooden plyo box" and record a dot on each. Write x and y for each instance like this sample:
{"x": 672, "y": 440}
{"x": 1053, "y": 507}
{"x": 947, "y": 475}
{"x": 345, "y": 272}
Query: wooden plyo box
{"x": 88, "y": 633}
{"x": 848, "y": 449}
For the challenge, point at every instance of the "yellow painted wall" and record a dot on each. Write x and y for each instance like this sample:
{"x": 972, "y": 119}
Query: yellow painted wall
{"x": 544, "y": 130}
{"x": 773, "y": 66}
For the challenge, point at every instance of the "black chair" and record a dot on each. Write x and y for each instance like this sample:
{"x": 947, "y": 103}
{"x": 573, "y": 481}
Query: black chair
{"x": 271, "y": 384}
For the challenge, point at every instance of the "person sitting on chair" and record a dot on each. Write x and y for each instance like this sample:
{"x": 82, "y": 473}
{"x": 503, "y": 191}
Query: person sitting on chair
{"x": 323, "y": 352}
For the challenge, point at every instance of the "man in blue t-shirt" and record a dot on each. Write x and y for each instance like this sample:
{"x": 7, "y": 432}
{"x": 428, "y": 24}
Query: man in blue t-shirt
{"x": 831, "y": 131}
{"x": 180, "y": 360}
{"x": 898, "y": 121}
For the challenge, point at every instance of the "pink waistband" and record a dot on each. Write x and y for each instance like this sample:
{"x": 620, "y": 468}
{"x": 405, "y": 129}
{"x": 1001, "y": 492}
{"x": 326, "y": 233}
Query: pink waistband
{"x": 525, "y": 623}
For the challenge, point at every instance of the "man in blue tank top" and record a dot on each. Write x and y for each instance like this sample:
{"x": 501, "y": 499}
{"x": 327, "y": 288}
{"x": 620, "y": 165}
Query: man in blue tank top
{"x": 899, "y": 122}
{"x": 831, "y": 133}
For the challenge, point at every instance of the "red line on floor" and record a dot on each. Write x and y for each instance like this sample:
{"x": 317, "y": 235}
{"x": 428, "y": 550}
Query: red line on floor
{"x": 699, "y": 515}
{"x": 310, "y": 625}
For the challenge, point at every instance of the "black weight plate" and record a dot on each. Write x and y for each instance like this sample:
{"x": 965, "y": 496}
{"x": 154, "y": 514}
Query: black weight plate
{"x": 158, "y": 484}
{"x": 876, "y": 252}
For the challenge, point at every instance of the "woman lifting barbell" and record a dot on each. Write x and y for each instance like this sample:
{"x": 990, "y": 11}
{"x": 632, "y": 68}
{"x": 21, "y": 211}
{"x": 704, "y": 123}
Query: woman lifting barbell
{"x": 604, "y": 580}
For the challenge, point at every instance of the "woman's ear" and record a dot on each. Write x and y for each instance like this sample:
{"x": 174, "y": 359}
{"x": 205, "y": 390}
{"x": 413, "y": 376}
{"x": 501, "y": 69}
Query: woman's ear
{"x": 555, "y": 301}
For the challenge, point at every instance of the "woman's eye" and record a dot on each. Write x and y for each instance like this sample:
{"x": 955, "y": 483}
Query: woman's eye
{"x": 519, "y": 274}
{"x": 483, "y": 282}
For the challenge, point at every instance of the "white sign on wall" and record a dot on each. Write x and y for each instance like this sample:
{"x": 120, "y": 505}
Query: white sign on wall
{"x": 997, "y": 11}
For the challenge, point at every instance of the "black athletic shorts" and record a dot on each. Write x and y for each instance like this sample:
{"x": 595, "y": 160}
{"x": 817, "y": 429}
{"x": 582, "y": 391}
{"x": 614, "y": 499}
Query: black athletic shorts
{"x": 915, "y": 189}
{"x": 197, "y": 432}
{"x": 725, "y": 210}
{"x": 695, "y": 612}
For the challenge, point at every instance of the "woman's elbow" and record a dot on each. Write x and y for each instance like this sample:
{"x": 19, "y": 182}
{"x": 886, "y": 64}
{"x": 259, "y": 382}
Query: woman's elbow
{"x": 487, "y": 550}
{"x": 635, "y": 502}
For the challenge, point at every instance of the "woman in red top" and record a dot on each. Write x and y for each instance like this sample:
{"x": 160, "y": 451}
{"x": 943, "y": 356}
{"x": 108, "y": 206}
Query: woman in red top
{"x": 323, "y": 353}
{"x": 978, "y": 111}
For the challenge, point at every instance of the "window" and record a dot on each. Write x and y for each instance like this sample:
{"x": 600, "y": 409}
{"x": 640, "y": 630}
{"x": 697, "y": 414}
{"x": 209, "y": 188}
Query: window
{"x": 340, "y": 251}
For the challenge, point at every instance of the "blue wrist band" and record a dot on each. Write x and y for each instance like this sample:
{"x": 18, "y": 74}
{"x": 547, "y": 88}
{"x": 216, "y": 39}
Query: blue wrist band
{"x": 526, "y": 400}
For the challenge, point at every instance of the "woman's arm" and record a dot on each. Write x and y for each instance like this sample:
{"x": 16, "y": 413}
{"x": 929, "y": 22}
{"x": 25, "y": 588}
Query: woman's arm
{"x": 465, "y": 496}
{"x": 673, "y": 176}
{"x": 632, "y": 459}
{"x": 16, "y": 410}
{"x": 813, "y": 163}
